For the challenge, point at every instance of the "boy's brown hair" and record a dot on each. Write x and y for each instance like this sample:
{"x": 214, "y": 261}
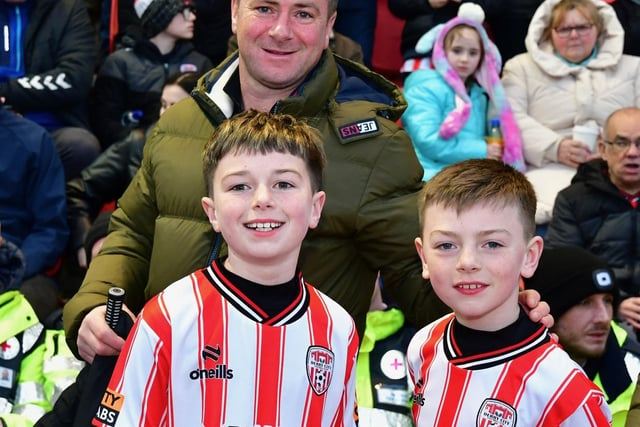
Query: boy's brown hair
{"x": 257, "y": 132}
{"x": 481, "y": 182}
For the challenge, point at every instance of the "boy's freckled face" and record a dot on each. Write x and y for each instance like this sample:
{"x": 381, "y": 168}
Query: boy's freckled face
{"x": 474, "y": 260}
{"x": 263, "y": 205}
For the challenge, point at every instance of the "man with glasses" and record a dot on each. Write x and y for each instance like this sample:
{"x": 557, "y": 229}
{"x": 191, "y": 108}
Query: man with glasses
{"x": 599, "y": 210}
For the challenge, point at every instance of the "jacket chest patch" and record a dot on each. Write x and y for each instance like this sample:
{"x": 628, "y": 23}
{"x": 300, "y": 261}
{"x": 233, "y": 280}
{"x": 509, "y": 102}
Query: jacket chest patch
{"x": 360, "y": 128}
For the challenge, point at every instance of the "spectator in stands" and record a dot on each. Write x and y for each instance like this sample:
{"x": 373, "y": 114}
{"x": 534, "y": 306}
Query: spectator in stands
{"x": 46, "y": 70}
{"x": 574, "y": 73}
{"x": 210, "y": 32}
{"x": 582, "y": 293}
{"x": 131, "y": 79}
{"x": 447, "y": 111}
{"x": 108, "y": 176}
{"x": 32, "y": 211}
{"x": 599, "y": 210}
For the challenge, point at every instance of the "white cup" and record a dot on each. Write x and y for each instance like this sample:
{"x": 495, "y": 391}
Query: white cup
{"x": 587, "y": 135}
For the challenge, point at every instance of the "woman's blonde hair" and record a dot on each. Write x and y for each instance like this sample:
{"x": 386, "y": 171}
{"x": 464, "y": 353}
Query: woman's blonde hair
{"x": 585, "y": 7}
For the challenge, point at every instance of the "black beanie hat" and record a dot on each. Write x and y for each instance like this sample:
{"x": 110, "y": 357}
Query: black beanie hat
{"x": 566, "y": 276}
{"x": 156, "y": 15}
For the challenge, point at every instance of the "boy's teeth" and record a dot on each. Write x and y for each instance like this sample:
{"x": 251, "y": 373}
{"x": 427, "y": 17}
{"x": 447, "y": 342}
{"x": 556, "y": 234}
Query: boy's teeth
{"x": 264, "y": 226}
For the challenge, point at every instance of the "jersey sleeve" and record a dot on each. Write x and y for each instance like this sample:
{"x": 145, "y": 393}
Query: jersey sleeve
{"x": 138, "y": 392}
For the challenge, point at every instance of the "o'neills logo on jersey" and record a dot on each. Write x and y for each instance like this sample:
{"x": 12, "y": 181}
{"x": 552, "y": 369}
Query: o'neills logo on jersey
{"x": 319, "y": 368}
{"x": 495, "y": 413}
{"x": 360, "y": 128}
{"x": 219, "y": 372}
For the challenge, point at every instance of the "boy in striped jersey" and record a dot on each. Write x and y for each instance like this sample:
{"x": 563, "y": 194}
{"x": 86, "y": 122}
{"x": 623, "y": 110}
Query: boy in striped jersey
{"x": 487, "y": 364}
{"x": 244, "y": 342}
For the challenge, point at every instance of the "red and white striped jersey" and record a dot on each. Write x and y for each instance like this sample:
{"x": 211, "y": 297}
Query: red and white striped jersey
{"x": 527, "y": 381}
{"x": 202, "y": 354}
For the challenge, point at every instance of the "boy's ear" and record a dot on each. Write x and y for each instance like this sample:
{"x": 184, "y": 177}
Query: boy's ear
{"x": 317, "y": 203}
{"x": 423, "y": 260}
{"x": 210, "y": 210}
{"x": 532, "y": 256}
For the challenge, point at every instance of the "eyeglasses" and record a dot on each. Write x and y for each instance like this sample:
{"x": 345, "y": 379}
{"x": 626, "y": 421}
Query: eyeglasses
{"x": 565, "y": 32}
{"x": 621, "y": 144}
{"x": 187, "y": 11}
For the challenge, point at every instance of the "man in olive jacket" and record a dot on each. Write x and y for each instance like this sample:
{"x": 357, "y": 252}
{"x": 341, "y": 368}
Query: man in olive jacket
{"x": 160, "y": 233}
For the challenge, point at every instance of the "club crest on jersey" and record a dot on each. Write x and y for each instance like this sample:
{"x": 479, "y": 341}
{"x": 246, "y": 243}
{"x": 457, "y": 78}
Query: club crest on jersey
{"x": 363, "y": 127}
{"x": 319, "y": 368}
{"x": 495, "y": 413}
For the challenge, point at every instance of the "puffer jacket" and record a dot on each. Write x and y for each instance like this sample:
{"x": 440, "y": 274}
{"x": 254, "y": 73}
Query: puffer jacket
{"x": 132, "y": 79}
{"x": 430, "y": 99}
{"x": 549, "y": 97}
{"x": 593, "y": 214}
{"x": 160, "y": 233}
{"x": 59, "y": 56}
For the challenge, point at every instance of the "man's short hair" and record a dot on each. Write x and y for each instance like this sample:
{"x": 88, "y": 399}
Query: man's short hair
{"x": 258, "y": 132}
{"x": 481, "y": 182}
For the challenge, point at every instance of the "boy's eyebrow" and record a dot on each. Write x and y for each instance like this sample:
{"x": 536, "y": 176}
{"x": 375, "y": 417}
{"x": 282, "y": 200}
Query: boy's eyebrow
{"x": 480, "y": 233}
{"x": 245, "y": 172}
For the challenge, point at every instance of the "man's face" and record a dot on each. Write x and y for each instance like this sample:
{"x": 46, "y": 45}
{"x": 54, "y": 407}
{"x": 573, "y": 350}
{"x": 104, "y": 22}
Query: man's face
{"x": 584, "y": 328}
{"x": 280, "y": 41}
{"x": 624, "y": 164}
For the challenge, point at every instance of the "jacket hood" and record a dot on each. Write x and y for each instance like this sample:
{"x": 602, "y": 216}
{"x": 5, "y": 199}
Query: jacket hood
{"x": 349, "y": 81}
{"x": 595, "y": 173}
{"x": 610, "y": 42}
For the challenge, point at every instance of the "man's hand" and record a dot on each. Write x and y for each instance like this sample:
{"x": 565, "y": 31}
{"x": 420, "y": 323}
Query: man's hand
{"x": 537, "y": 310}
{"x": 95, "y": 337}
{"x": 629, "y": 310}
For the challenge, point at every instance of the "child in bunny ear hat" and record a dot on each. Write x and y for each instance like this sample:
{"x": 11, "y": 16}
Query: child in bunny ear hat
{"x": 449, "y": 105}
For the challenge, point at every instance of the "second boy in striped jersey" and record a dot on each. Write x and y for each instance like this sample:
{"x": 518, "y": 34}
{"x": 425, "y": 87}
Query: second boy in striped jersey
{"x": 488, "y": 364}
{"x": 245, "y": 341}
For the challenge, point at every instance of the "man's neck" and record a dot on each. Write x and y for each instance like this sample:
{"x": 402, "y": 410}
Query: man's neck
{"x": 259, "y": 97}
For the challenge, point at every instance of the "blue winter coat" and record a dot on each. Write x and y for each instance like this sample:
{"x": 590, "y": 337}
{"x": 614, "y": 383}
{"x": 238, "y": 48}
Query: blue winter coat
{"x": 32, "y": 193}
{"x": 429, "y": 100}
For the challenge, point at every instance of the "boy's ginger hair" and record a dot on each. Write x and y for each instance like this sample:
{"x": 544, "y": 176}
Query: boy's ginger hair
{"x": 481, "y": 182}
{"x": 258, "y": 132}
